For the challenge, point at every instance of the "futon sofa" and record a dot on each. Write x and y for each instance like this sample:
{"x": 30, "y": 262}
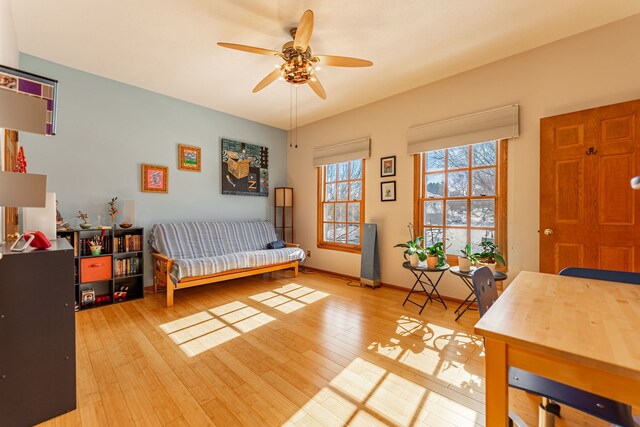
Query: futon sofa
{"x": 189, "y": 254}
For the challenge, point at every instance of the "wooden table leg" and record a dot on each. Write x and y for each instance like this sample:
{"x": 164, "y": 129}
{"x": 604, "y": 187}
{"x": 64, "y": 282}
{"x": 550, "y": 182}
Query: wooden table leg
{"x": 497, "y": 392}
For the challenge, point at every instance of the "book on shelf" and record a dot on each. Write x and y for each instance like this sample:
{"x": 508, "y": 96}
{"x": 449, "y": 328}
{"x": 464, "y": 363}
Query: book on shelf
{"x": 128, "y": 243}
{"x": 127, "y": 266}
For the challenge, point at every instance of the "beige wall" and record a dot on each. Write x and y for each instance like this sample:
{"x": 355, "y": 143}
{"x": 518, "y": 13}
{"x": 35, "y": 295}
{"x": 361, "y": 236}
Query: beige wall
{"x": 8, "y": 42}
{"x": 594, "y": 68}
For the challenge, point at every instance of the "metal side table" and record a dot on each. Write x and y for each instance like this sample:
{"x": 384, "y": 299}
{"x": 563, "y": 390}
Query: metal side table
{"x": 466, "y": 278}
{"x": 423, "y": 280}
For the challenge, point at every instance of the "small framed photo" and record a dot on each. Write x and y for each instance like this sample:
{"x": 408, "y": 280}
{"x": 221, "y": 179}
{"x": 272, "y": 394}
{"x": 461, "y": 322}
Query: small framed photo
{"x": 388, "y": 191}
{"x": 155, "y": 179}
{"x": 388, "y": 166}
{"x": 189, "y": 158}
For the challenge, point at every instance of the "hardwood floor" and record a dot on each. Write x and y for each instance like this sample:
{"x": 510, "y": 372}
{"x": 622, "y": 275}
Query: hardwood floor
{"x": 273, "y": 350}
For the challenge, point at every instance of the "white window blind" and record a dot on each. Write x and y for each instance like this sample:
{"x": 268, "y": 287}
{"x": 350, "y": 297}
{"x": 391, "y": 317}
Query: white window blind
{"x": 343, "y": 152}
{"x": 499, "y": 123}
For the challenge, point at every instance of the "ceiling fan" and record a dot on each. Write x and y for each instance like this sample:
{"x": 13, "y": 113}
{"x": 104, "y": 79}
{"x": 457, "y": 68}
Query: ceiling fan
{"x": 299, "y": 63}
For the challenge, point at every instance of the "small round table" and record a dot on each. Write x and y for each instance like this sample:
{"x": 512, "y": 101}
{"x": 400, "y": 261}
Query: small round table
{"x": 423, "y": 280}
{"x": 466, "y": 278}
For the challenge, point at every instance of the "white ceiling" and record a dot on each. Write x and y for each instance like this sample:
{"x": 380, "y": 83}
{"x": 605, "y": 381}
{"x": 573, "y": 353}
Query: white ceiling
{"x": 169, "y": 46}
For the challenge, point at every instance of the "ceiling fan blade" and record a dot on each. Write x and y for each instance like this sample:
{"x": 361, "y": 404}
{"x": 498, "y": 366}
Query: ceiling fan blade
{"x": 343, "y": 61}
{"x": 250, "y": 49}
{"x": 303, "y": 33}
{"x": 273, "y": 76}
{"x": 317, "y": 88}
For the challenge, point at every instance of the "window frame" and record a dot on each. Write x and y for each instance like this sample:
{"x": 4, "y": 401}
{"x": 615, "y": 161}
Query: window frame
{"x": 321, "y": 243}
{"x": 500, "y": 197}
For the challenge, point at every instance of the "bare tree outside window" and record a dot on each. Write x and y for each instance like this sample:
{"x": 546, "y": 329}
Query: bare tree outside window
{"x": 341, "y": 202}
{"x": 459, "y": 195}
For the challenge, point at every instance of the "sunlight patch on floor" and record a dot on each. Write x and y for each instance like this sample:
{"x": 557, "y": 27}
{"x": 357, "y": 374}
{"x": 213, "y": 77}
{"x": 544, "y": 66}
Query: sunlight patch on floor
{"x": 364, "y": 393}
{"x": 205, "y": 330}
{"x": 289, "y": 298}
{"x": 202, "y": 331}
{"x": 440, "y": 353}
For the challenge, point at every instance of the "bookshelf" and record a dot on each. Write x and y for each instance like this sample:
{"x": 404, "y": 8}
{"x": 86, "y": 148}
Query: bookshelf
{"x": 113, "y": 276}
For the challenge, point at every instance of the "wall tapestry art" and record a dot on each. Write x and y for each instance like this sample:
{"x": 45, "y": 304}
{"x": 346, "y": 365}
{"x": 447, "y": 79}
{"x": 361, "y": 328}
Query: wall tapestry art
{"x": 245, "y": 169}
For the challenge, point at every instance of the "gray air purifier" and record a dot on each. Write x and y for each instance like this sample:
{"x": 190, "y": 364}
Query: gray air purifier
{"x": 370, "y": 262}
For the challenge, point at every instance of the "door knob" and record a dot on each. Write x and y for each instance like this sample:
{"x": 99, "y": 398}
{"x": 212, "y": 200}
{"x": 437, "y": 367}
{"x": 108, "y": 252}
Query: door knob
{"x": 548, "y": 232}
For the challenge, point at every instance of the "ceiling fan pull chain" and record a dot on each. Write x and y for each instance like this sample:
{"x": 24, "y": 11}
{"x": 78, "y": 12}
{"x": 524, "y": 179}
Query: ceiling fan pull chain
{"x": 291, "y": 117}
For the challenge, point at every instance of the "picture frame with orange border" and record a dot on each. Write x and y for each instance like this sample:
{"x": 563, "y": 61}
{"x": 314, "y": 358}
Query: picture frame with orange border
{"x": 189, "y": 158}
{"x": 155, "y": 179}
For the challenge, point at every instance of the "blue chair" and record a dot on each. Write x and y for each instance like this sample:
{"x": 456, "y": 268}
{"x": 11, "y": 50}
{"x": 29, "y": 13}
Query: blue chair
{"x": 606, "y": 275}
{"x": 551, "y": 391}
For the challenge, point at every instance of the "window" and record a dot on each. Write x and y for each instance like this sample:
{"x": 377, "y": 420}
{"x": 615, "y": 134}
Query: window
{"x": 462, "y": 196}
{"x": 341, "y": 205}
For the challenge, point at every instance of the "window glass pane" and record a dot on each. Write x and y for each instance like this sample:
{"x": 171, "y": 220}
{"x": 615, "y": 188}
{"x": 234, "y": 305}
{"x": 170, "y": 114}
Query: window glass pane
{"x": 328, "y": 212}
{"x": 331, "y": 193}
{"x": 433, "y": 235}
{"x": 355, "y": 170}
{"x": 341, "y": 212}
{"x": 331, "y": 173}
{"x": 354, "y": 234}
{"x": 354, "y": 212}
{"x": 435, "y": 185}
{"x": 329, "y": 235}
{"x": 458, "y": 184}
{"x": 343, "y": 191}
{"x": 435, "y": 160}
{"x": 433, "y": 212}
{"x": 458, "y": 157}
{"x": 478, "y": 236}
{"x": 456, "y": 212}
{"x": 456, "y": 240}
{"x": 356, "y": 191}
{"x": 343, "y": 171}
{"x": 484, "y": 182}
{"x": 341, "y": 233}
{"x": 484, "y": 154}
{"x": 482, "y": 213}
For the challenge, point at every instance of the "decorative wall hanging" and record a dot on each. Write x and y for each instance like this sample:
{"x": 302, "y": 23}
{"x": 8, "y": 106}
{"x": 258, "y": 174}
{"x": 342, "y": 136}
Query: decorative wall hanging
{"x": 388, "y": 166}
{"x": 388, "y": 191}
{"x": 155, "y": 179}
{"x": 33, "y": 85}
{"x": 189, "y": 158}
{"x": 245, "y": 169}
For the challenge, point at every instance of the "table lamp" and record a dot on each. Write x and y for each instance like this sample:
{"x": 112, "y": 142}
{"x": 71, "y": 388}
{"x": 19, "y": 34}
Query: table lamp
{"x": 22, "y": 190}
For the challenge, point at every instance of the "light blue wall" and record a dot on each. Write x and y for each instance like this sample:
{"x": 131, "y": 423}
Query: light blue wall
{"x": 107, "y": 129}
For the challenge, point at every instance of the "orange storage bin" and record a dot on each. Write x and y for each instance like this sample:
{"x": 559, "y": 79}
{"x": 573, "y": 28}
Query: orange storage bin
{"x": 95, "y": 269}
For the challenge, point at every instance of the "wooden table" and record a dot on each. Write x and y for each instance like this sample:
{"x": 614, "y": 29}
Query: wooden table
{"x": 581, "y": 332}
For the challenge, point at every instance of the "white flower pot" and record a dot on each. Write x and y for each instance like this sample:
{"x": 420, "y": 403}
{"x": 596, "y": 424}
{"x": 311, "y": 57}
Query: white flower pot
{"x": 492, "y": 266}
{"x": 413, "y": 260}
{"x": 464, "y": 264}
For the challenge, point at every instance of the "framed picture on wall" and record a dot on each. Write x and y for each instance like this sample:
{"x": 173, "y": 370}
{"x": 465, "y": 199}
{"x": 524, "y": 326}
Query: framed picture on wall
{"x": 388, "y": 166}
{"x": 189, "y": 158}
{"x": 155, "y": 179}
{"x": 388, "y": 191}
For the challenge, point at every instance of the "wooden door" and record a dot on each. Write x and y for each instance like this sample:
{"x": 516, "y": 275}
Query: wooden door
{"x": 588, "y": 211}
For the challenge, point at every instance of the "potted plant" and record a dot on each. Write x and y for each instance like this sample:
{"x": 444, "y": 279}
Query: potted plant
{"x": 113, "y": 210}
{"x": 414, "y": 252}
{"x": 95, "y": 245}
{"x": 489, "y": 255}
{"x": 83, "y": 216}
{"x": 464, "y": 261}
{"x": 436, "y": 256}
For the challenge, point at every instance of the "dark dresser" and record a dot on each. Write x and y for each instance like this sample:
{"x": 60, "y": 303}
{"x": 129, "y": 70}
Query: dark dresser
{"x": 37, "y": 334}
